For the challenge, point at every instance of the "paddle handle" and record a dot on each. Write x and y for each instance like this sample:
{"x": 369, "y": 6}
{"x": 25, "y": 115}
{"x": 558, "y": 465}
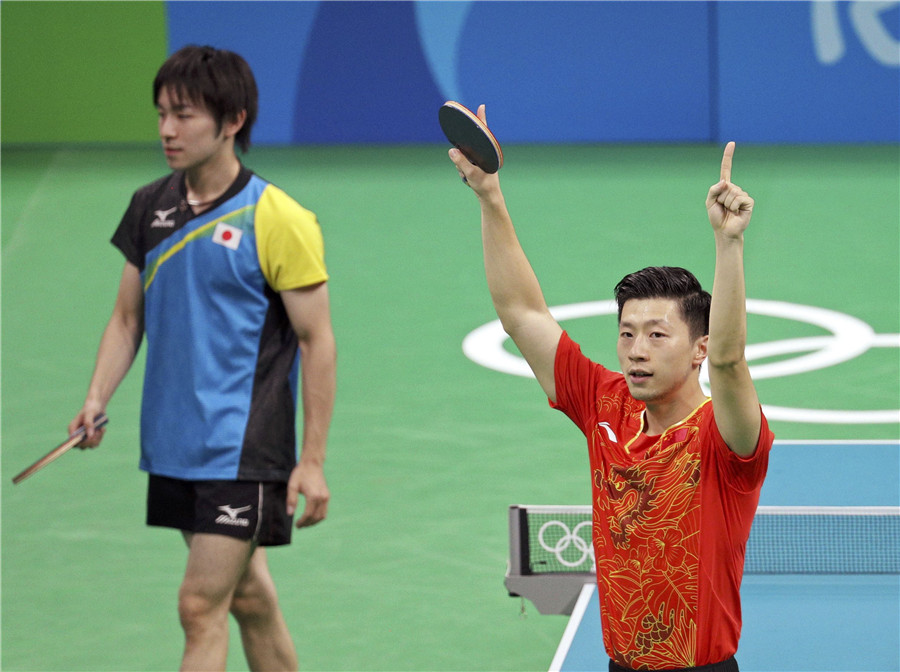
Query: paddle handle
{"x": 76, "y": 438}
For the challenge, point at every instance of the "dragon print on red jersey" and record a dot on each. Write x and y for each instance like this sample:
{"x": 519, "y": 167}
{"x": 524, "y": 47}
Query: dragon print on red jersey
{"x": 646, "y": 541}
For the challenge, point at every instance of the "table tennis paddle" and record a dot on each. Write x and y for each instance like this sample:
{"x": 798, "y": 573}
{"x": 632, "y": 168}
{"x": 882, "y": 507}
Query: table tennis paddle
{"x": 76, "y": 438}
{"x": 471, "y": 136}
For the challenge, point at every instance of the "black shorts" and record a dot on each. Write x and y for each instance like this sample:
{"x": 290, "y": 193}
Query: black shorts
{"x": 249, "y": 510}
{"x": 729, "y": 665}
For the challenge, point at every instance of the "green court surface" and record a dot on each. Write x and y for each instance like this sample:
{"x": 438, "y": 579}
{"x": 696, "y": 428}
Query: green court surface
{"x": 428, "y": 448}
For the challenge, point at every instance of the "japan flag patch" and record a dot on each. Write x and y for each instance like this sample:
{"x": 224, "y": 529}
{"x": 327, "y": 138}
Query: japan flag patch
{"x": 228, "y": 236}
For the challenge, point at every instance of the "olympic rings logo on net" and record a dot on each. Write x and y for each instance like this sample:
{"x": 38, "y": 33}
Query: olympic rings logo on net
{"x": 569, "y": 538}
{"x": 849, "y": 338}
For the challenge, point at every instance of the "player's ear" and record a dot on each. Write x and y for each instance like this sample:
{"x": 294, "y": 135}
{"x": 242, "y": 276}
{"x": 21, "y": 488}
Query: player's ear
{"x": 701, "y": 348}
{"x": 231, "y": 127}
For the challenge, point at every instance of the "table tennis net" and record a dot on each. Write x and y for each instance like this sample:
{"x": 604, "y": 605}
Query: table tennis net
{"x": 783, "y": 540}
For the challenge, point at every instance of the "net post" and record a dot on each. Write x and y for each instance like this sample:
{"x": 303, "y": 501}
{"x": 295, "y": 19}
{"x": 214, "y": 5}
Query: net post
{"x": 518, "y": 541}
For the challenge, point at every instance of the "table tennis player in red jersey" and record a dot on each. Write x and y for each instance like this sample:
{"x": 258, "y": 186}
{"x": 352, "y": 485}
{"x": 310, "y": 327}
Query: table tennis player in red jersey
{"x": 675, "y": 474}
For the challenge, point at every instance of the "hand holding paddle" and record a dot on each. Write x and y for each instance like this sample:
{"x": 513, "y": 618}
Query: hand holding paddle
{"x": 93, "y": 429}
{"x": 76, "y": 438}
{"x": 475, "y": 145}
{"x": 469, "y": 133}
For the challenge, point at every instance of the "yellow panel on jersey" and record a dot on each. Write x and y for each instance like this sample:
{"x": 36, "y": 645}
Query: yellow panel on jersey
{"x": 288, "y": 242}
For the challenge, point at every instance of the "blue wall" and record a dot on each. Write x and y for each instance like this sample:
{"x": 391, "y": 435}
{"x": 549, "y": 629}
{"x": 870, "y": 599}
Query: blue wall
{"x": 767, "y": 72}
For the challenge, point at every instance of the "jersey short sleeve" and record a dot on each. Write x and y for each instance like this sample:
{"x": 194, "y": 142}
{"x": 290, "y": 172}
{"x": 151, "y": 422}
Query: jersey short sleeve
{"x": 126, "y": 236}
{"x": 289, "y": 242}
{"x": 578, "y": 383}
{"x": 152, "y": 215}
{"x": 744, "y": 474}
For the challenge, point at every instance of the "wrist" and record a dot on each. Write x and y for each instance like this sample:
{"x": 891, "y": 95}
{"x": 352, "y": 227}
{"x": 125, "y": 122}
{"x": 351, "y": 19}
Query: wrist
{"x": 729, "y": 240}
{"x": 95, "y": 398}
{"x": 310, "y": 458}
{"x": 492, "y": 202}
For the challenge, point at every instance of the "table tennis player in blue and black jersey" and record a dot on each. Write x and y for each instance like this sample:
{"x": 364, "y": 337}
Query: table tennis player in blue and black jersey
{"x": 225, "y": 276}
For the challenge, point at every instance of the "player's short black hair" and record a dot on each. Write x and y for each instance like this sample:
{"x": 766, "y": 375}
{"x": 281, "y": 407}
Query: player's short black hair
{"x": 669, "y": 282}
{"x": 221, "y": 80}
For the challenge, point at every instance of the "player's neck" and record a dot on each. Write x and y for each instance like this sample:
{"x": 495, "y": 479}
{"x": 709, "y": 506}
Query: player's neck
{"x": 208, "y": 181}
{"x": 662, "y": 414}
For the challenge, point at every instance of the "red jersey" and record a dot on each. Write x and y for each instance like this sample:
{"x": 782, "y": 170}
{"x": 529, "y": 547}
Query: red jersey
{"x": 671, "y": 517}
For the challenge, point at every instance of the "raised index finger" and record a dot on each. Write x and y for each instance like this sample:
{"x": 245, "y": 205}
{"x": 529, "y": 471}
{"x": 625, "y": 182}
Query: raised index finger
{"x": 727, "y": 157}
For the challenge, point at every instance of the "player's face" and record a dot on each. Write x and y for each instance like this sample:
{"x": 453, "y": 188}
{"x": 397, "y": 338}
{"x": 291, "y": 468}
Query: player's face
{"x": 188, "y": 132}
{"x": 655, "y": 349}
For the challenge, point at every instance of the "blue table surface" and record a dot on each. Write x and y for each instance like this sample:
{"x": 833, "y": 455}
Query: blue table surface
{"x": 837, "y": 623}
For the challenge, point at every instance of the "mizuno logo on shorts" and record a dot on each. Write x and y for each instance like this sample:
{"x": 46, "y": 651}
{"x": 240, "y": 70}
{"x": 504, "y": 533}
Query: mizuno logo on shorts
{"x": 229, "y": 517}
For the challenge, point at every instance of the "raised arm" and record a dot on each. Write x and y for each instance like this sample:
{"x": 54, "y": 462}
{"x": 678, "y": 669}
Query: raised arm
{"x": 734, "y": 398}
{"x": 310, "y": 314}
{"x": 514, "y": 288}
{"x": 118, "y": 348}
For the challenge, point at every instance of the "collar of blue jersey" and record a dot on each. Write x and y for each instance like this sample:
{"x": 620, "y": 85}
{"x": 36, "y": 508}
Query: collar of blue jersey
{"x": 239, "y": 183}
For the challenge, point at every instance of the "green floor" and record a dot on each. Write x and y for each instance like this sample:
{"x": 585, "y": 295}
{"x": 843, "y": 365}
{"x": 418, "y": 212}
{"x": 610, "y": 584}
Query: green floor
{"x": 427, "y": 448}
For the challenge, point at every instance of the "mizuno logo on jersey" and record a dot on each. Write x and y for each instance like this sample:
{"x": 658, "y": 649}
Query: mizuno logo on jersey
{"x": 162, "y": 221}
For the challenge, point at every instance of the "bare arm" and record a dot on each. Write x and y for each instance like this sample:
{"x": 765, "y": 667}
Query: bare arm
{"x": 118, "y": 348}
{"x": 310, "y": 314}
{"x": 514, "y": 288}
{"x": 734, "y": 396}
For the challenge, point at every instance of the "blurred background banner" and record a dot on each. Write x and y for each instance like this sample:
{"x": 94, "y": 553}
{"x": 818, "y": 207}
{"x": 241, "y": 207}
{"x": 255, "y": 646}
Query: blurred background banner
{"x": 549, "y": 72}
